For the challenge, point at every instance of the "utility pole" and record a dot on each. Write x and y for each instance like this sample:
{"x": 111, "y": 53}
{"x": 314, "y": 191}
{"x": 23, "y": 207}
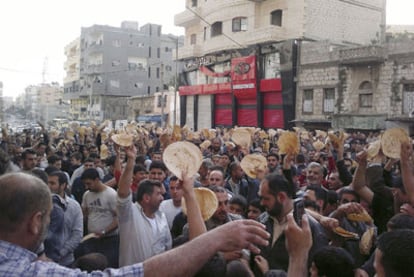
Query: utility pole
{"x": 176, "y": 81}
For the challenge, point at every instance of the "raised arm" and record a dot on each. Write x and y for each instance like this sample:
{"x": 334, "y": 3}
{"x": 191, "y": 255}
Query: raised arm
{"x": 406, "y": 171}
{"x": 359, "y": 183}
{"x": 195, "y": 221}
{"x": 126, "y": 177}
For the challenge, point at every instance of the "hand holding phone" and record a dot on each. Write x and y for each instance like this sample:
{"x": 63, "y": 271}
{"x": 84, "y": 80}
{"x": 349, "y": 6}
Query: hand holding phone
{"x": 298, "y": 211}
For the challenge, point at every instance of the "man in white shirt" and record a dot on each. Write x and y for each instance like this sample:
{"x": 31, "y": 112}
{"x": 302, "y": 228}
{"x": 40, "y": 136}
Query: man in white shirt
{"x": 171, "y": 207}
{"x": 143, "y": 229}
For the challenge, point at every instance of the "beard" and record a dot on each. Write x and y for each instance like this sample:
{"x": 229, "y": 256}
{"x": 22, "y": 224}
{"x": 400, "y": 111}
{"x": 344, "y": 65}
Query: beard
{"x": 276, "y": 210}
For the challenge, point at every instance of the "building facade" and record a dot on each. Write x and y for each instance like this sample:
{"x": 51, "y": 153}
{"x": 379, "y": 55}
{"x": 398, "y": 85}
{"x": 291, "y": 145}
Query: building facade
{"x": 44, "y": 102}
{"x": 113, "y": 64}
{"x": 241, "y": 56}
{"x": 361, "y": 88}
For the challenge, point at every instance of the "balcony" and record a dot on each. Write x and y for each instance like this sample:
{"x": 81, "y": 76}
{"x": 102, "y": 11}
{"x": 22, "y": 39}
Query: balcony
{"x": 189, "y": 51}
{"x": 187, "y": 18}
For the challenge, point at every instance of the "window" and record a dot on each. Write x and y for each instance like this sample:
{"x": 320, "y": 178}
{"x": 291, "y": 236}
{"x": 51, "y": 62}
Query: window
{"x": 193, "y": 3}
{"x": 158, "y": 52}
{"x": 276, "y": 18}
{"x": 365, "y": 95}
{"x": 161, "y": 101}
{"x": 149, "y": 72}
{"x": 116, "y": 43}
{"x": 328, "y": 100}
{"x": 167, "y": 49}
{"x": 148, "y": 90}
{"x": 205, "y": 33}
{"x": 216, "y": 28}
{"x": 149, "y": 52}
{"x": 157, "y": 89}
{"x": 239, "y": 24}
{"x": 408, "y": 103}
{"x": 158, "y": 72}
{"x": 193, "y": 39}
{"x": 308, "y": 101}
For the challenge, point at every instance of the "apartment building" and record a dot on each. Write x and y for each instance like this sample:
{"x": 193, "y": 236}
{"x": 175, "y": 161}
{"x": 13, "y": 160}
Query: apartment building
{"x": 241, "y": 57}
{"x": 108, "y": 65}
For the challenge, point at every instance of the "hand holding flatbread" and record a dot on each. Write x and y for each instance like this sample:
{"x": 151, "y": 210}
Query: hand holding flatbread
{"x": 207, "y": 201}
{"x": 241, "y": 137}
{"x": 391, "y": 141}
{"x": 182, "y": 156}
{"x": 122, "y": 139}
{"x": 367, "y": 240}
{"x": 345, "y": 234}
{"x": 288, "y": 143}
{"x": 254, "y": 165}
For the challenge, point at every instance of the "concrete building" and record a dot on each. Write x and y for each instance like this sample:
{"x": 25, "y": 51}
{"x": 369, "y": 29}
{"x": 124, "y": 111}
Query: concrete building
{"x": 362, "y": 88}
{"x": 108, "y": 65}
{"x": 152, "y": 108}
{"x": 241, "y": 56}
{"x": 44, "y": 102}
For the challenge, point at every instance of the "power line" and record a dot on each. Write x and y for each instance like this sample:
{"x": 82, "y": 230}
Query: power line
{"x": 205, "y": 21}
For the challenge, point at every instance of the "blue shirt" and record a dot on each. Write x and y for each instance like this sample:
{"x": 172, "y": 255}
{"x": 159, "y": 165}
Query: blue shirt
{"x": 17, "y": 261}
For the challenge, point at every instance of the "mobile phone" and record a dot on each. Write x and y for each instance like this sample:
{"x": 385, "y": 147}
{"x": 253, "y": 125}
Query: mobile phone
{"x": 298, "y": 211}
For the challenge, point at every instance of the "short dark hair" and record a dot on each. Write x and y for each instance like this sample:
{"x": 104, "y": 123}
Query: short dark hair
{"x": 334, "y": 261}
{"x": 158, "y": 165}
{"x": 239, "y": 200}
{"x": 256, "y": 203}
{"x": 28, "y": 151}
{"x": 54, "y": 158}
{"x": 397, "y": 249}
{"x": 62, "y": 179}
{"x": 401, "y": 221}
{"x": 272, "y": 154}
{"x": 138, "y": 168}
{"x": 77, "y": 156}
{"x": 50, "y": 168}
{"x": 90, "y": 174}
{"x": 146, "y": 187}
{"x": 348, "y": 191}
{"x": 278, "y": 183}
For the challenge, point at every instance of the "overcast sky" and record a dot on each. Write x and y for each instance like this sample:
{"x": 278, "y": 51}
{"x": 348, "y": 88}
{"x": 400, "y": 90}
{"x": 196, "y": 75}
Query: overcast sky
{"x": 35, "y": 31}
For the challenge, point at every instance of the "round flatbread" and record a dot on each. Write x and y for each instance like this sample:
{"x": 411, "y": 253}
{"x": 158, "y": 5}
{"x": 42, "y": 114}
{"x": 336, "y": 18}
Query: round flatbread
{"x": 391, "y": 141}
{"x": 367, "y": 240}
{"x": 373, "y": 149}
{"x": 241, "y": 137}
{"x": 122, "y": 139}
{"x": 253, "y": 164}
{"x": 345, "y": 234}
{"x": 360, "y": 217}
{"x": 318, "y": 145}
{"x": 104, "y": 153}
{"x": 205, "y": 144}
{"x": 288, "y": 143}
{"x": 182, "y": 156}
{"x": 207, "y": 201}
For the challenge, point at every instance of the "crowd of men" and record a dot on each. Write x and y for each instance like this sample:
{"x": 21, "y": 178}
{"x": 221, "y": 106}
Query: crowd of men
{"x": 122, "y": 208}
